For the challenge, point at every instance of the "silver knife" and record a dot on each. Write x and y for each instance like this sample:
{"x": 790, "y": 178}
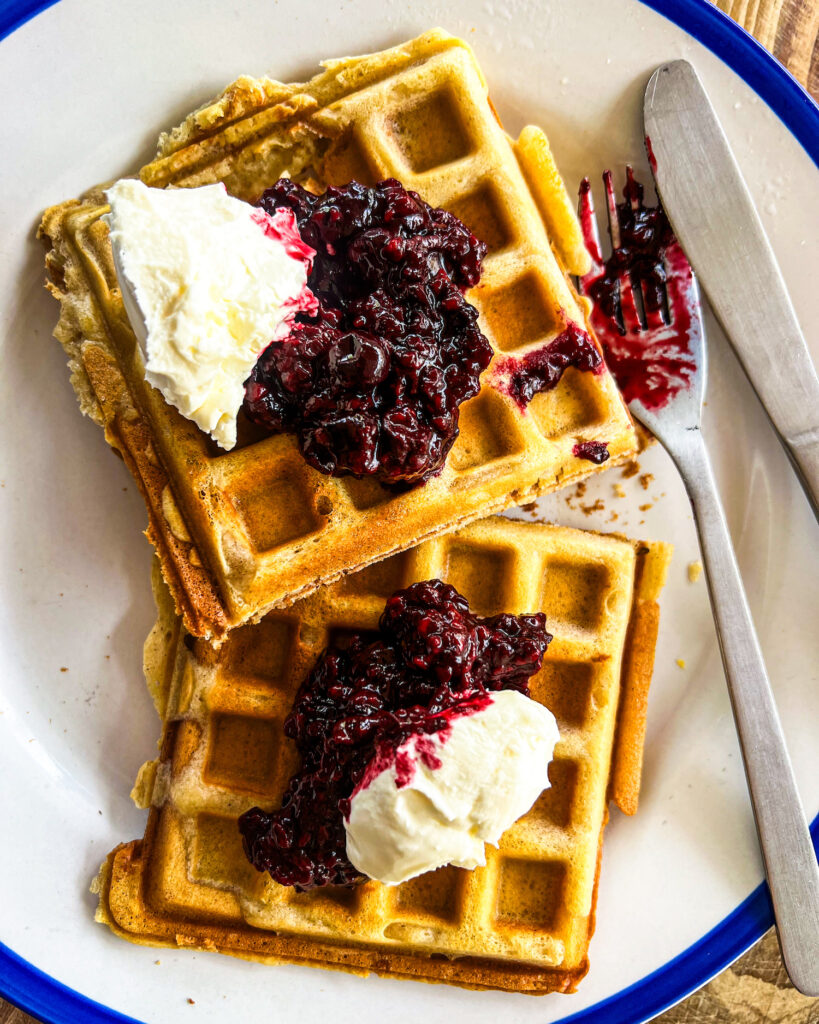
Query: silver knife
{"x": 713, "y": 216}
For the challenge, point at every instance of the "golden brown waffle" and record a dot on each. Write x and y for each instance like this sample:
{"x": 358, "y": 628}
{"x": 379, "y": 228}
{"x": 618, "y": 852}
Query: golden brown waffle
{"x": 524, "y": 921}
{"x": 240, "y": 532}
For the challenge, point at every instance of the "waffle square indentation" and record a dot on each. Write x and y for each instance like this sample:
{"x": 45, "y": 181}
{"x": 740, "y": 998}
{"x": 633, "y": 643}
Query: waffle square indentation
{"x": 565, "y": 687}
{"x": 554, "y": 805}
{"x": 262, "y": 651}
{"x": 488, "y": 433}
{"x": 218, "y": 856}
{"x": 530, "y": 893}
{"x": 430, "y": 133}
{"x": 346, "y": 161}
{"x": 576, "y": 405}
{"x": 243, "y": 753}
{"x": 481, "y": 575}
{"x": 484, "y": 214}
{"x": 575, "y": 594}
{"x": 340, "y": 636}
{"x": 328, "y": 897}
{"x": 365, "y": 493}
{"x": 381, "y": 578}
{"x": 517, "y": 314}
{"x": 435, "y": 894}
{"x": 275, "y": 509}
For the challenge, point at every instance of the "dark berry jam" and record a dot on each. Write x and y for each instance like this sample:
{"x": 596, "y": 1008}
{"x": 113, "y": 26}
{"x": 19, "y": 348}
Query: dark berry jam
{"x": 594, "y": 451}
{"x": 542, "y": 369}
{"x": 633, "y": 293}
{"x": 431, "y": 658}
{"x": 371, "y": 385}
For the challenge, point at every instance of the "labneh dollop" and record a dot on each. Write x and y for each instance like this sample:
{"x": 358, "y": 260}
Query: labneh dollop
{"x": 216, "y": 281}
{"x": 380, "y": 701}
{"x": 440, "y": 797}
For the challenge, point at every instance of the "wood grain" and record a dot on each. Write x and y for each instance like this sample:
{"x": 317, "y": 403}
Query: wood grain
{"x": 755, "y": 990}
{"x": 788, "y": 28}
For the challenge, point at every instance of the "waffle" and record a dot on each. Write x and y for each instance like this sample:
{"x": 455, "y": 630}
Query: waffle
{"x": 521, "y": 923}
{"x": 240, "y": 532}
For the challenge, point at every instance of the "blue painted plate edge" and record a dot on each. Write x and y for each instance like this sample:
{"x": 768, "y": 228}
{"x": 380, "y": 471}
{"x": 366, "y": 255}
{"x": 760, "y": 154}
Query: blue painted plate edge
{"x": 47, "y": 999}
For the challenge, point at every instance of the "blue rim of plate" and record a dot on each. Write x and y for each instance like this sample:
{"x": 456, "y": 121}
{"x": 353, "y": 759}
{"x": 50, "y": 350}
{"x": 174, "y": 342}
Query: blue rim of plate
{"x": 47, "y": 999}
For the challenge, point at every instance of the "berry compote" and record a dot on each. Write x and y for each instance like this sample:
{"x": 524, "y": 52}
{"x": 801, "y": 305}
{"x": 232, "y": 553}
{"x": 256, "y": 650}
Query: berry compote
{"x": 433, "y": 659}
{"x": 541, "y": 369}
{"x": 644, "y": 296}
{"x": 372, "y": 384}
{"x": 593, "y": 451}
{"x": 645, "y": 234}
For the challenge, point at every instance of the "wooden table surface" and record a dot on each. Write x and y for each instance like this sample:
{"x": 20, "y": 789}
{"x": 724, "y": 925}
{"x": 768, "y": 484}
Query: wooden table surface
{"x": 756, "y": 988}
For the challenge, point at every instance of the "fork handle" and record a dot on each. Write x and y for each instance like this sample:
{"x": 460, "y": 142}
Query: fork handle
{"x": 790, "y": 860}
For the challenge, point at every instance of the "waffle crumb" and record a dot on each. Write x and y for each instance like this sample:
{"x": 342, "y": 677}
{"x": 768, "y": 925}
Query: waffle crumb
{"x": 646, "y": 480}
{"x": 694, "y": 571}
{"x": 578, "y": 493}
{"x": 619, "y": 491}
{"x": 596, "y": 506}
{"x": 681, "y": 662}
{"x": 631, "y": 468}
{"x": 646, "y": 507}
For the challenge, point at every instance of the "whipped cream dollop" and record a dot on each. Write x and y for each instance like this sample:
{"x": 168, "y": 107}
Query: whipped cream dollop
{"x": 440, "y": 797}
{"x": 216, "y": 280}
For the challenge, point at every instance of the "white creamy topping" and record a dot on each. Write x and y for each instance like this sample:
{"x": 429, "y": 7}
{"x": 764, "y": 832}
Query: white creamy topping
{"x": 493, "y": 766}
{"x": 214, "y": 286}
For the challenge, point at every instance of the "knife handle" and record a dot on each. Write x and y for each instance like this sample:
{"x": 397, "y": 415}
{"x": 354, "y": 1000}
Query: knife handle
{"x": 788, "y": 854}
{"x": 803, "y": 452}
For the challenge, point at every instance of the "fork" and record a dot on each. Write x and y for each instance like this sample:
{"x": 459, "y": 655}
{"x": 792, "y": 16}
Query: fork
{"x": 674, "y": 419}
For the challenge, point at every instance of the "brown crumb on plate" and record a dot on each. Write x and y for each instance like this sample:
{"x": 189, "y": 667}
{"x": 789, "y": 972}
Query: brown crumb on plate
{"x": 596, "y": 506}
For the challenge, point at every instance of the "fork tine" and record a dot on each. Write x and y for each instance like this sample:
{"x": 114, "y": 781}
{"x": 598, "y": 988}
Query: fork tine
{"x": 631, "y": 319}
{"x": 611, "y": 210}
{"x": 652, "y": 315}
{"x": 588, "y": 224}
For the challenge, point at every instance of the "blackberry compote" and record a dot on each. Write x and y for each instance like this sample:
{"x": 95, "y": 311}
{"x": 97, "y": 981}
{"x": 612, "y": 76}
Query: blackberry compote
{"x": 650, "y": 365}
{"x": 593, "y": 451}
{"x": 371, "y": 384}
{"x": 433, "y": 659}
{"x": 541, "y": 369}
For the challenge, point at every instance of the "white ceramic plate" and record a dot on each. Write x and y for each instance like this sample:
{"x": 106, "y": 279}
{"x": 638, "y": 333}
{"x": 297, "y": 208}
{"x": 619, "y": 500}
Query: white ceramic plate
{"x": 87, "y": 86}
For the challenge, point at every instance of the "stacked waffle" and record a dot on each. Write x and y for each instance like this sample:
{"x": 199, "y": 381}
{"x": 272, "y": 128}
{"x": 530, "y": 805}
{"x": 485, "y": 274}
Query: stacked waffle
{"x": 240, "y": 532}
{"x": 265, "y": 561}
{"x": 524, "y": 921}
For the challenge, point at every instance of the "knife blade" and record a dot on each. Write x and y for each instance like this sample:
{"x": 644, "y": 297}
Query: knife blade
{"x": 713, "y": 215}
